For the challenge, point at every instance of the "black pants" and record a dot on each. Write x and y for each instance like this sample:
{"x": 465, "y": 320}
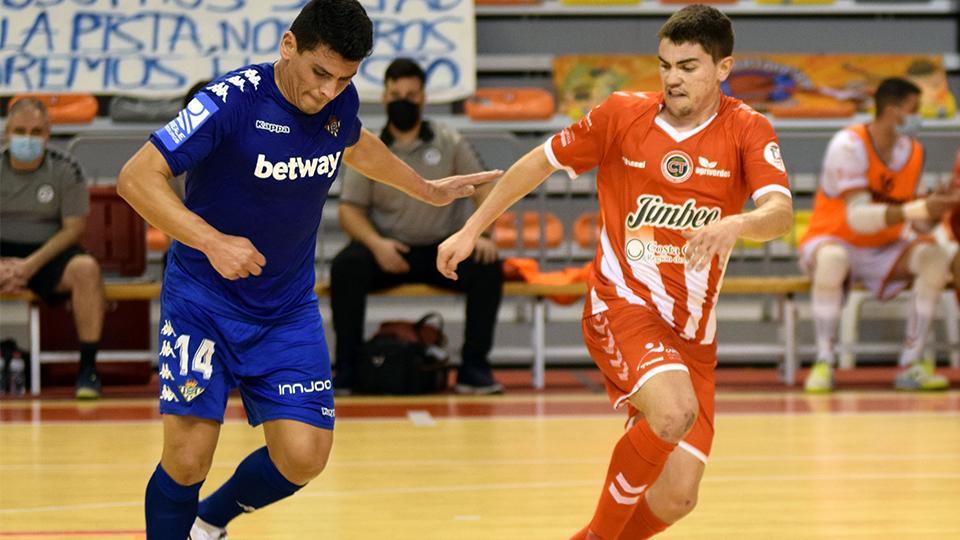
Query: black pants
{"x": 355, "y": 273}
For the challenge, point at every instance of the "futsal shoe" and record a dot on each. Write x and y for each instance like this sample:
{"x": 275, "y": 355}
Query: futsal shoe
{"x": 920, "y": 378}
{"x": 88, "y": 384}
{"x": 476, "y": 382}
{"x": 820, "y": 378}
{"x": 202, "y": 530}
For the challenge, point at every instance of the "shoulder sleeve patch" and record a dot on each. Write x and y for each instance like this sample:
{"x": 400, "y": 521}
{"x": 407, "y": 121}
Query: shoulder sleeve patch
{"x": 178, "y": 130}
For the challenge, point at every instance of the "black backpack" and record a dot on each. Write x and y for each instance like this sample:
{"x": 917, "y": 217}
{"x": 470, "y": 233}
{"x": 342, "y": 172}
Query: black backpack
{"x": 404, "y": 358}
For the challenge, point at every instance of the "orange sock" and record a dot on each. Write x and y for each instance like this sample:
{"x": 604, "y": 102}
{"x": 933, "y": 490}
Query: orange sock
{"x": 581, "y": 534}
{"x": 637, "y": 461}
{"x": 643, "y": 523}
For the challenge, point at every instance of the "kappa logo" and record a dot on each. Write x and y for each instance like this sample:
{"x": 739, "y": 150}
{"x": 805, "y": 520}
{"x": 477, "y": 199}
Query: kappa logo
{"x": 709, "y": 168}
{"x": 272, "y": 128}
{"x": 676, "y": 167}
{"x": 196, "y": 113}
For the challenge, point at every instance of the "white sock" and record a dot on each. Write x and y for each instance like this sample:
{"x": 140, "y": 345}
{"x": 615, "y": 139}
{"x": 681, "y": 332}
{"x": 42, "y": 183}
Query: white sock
{"x": 931, "y": 268}
{"x": 826, "y": 297}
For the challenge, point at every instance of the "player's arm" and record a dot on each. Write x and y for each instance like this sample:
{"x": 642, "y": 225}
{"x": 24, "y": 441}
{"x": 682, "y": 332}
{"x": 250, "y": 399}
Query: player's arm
{"x": 144, "y": 182}
{"x": 522, "y": 178}
{"x": 867, "y": 217}
{"x": 374, "y": 160}
{"x": 772, "y": 218}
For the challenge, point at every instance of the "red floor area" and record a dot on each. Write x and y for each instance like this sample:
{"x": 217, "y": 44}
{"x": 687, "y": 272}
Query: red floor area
{"x": 862, "y": 391}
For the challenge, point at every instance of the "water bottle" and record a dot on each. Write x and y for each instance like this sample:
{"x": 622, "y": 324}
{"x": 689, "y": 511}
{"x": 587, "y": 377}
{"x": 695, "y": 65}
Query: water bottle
{"x": 18, "y": 375}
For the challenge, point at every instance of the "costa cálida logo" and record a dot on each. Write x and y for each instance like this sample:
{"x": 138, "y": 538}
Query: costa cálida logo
{"x": 676, "y": 166}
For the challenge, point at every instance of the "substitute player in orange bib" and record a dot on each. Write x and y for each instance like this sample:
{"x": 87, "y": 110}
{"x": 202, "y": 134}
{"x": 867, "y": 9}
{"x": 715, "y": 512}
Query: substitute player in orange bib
{"x": 867, "y": 194}
{"x": 674, "y": 170}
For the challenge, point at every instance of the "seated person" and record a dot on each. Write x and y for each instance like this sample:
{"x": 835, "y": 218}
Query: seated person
{"x": 43, "y": 210}
{"x": 867, "y": 193}
{"x": 394, "y": 237}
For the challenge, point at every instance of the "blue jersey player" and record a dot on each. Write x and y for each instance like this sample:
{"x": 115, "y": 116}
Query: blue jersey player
{"x": 260, "y": 146}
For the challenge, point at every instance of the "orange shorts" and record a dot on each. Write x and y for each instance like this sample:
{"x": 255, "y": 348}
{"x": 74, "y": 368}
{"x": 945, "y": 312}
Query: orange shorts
{"x": 631, "y": 344}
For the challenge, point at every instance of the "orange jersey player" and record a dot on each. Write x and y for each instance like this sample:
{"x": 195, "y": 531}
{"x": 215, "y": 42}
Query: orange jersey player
{"x": 867, "y": 194}
{"x": 674, "y": 170}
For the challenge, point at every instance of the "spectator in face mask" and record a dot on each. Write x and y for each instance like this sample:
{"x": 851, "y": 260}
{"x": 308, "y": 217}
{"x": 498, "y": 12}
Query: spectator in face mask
{"x": 394, "y": 237}
{"x": 43, "y": 210}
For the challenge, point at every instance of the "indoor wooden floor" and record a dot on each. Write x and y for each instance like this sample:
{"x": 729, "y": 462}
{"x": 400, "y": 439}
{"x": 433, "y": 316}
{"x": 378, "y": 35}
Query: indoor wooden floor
{"x": 868, "y": 465}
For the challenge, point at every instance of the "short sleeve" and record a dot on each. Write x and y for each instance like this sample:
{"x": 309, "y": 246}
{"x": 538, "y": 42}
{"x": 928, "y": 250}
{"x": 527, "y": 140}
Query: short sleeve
{"x": 845, "y": 165}
{"x": 350, "y": 106}
{"x": 581, "y": 146}
{"x": 357, "y": 188}
{"x": 763, "y": 167}
{"x": 465, "y": 160}
{"x": 75, "y": 200}
{"x": 209, "y": 118}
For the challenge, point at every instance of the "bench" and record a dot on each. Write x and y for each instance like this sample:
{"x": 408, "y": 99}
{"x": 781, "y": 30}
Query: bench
{"x": 784, "y": 288}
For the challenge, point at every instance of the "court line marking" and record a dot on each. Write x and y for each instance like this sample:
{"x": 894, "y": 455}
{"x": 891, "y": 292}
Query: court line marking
{"x": 612, "y": 415}
{"x": 421, "y": 418}
{"x": 407, "y": 490}
{"x": 493, "y": 462}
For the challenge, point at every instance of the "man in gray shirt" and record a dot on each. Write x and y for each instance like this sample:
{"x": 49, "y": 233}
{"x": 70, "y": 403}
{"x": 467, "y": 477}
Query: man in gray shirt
{"x": 43, "y": 213}
{"x": 395, "y": 237}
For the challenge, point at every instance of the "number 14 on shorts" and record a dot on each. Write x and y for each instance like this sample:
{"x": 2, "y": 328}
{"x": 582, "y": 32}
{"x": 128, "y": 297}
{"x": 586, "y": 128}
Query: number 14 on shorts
{"x": 202, "y": 357}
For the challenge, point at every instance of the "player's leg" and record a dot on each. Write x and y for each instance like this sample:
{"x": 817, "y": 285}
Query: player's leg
{"x": 195, "y": 380}
{"x": 82, "y": 279}
{"x": 295, "y": 453}
{"x": 292, "y": 397}
{"x": 173, "y": 490}
{"x": 830, "y": 268}
{"x": 929, "y": 266}
{"x": 672, "y": 496}
{"x": 634, "y": 349}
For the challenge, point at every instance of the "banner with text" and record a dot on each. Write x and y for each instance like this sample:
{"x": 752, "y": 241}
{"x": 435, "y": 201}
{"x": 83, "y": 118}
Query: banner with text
{"x": 160, "y": 48}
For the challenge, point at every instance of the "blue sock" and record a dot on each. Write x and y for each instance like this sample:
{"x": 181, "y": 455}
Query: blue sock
{"x": 169, "y": 507}
{"x": 255, "y": 484}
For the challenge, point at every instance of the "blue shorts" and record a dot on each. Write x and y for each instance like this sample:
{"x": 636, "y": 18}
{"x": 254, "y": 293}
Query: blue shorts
{"x": 282, "y": 368}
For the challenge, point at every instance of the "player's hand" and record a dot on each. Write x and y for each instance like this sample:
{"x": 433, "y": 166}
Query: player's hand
{"x": 714, "y": 240}
{"x": 942, "y": 201}
{"x": 389, "y": 255}
{"x": 486, "y": 251}
{"x": 445, "y": 191}
{"x": 453, "y": 250}
{"x": 235, "y": 257}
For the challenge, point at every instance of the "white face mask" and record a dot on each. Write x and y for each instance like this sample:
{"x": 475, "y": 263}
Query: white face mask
{"x": 910, "y": 126}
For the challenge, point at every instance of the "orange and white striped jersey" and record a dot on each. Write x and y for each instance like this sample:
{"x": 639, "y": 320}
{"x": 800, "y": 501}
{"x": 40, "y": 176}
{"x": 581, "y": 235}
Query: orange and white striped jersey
{"x": 653, "y": 183}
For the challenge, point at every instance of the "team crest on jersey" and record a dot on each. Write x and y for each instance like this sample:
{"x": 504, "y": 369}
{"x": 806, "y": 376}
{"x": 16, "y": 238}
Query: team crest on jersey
{"x": 190, "y": 390}
{"x": 676, "y": 167}
{"x": 333, "y": 126}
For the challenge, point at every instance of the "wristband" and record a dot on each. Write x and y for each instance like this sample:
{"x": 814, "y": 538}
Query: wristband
{"x": 916, "y": 210}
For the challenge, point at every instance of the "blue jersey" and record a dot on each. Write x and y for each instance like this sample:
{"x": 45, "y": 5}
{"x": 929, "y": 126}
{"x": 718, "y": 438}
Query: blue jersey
{"x": 260, "y": 168}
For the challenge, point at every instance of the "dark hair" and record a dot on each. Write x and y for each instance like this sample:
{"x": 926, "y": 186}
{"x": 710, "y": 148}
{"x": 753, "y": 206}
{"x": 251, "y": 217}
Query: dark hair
{"x": 342, "y": 25}
{"x": 703, "y": 25}
{"x": 193, "y": 90}
{"x": 893, "y": 92}
{"x": 23, "y": 104}
{"x": 404, "y": 67}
